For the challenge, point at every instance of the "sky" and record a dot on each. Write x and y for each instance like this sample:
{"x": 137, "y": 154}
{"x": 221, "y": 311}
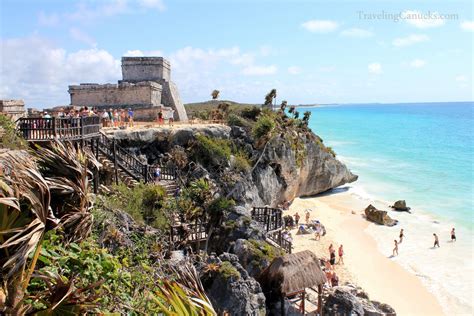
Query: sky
{"x": 310, "y": 51}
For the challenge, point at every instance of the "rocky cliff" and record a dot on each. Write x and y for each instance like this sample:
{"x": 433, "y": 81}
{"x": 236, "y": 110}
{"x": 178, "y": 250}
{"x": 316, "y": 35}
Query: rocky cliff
{"x": 279, "y": 172}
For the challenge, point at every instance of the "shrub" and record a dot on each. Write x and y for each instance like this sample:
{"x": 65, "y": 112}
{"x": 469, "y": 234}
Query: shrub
{"x": 331, "y": 151}
{"x": 212, "y": 151}
{"x": 251, "y": 112}
{"x": 241, "y": 162}
{"x": 263, "y": 127}
{"x": 227, "y": 270}
{"x": 9, "y": 137}
{"x": 236, "y": 120}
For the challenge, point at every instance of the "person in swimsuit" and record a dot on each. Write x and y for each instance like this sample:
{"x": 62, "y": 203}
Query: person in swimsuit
{"x": 341, "y": 255}
{"x": 307, "y": 217}
{"x": 401, "y": 236}
{"x": 436, "y": 242}
{"x": 297, "y": 218}
{"x": 395, "y": 249}
{"x": 453, "y": 235}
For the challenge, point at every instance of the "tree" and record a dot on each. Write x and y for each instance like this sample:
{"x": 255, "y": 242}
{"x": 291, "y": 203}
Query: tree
{"x": 269, "y": 98}
{"x": 306, "y": 117}
{"x": 292, "y": 109}
{"x": 296, "y": 114}
{"x": 283, "y": 105}
{"x": 215, "y": 94}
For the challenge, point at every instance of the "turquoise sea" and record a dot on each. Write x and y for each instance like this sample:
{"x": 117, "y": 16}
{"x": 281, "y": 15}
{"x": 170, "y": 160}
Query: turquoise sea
{"x": 420, "y": 152}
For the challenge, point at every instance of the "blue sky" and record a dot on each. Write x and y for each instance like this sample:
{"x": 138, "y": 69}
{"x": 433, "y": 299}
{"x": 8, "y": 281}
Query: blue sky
{"x": 310, "y": 51}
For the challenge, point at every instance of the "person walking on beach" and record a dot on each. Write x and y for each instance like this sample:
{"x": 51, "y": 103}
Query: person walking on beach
{"x": 453, "y": 235}
{"x": 401, "y": 236}
{"x": 297, "y": 218}
{"x": 332, "y": 255}
{"x": 395, "y": 249}
{"x": 317, "y": 234}
{"x": 341, "y": 255}
{"x": 307, "y": 217}
{"x": 436, "y": 242}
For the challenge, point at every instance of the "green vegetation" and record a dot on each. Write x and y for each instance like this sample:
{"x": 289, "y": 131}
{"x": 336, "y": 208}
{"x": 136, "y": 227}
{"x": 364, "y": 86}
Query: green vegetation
{"x": 144, "y": 202}
{"x": 228, "y": 271}
{"x": 263, "y": 127}
{"x": 9, "y": 137}
{"x": 241, "y": 162}
{"x": 262, "y": 253}
{"x": 212, "y": 151}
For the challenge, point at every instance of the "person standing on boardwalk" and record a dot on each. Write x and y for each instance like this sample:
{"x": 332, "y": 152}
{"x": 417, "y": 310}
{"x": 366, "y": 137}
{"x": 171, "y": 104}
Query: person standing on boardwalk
{"x": 401, "y": 236}
{"x": 436, "y": 242}
{"x": 395, "y": 249}
{"x": 453, "y": 235}
{"x": 341, "y": 255}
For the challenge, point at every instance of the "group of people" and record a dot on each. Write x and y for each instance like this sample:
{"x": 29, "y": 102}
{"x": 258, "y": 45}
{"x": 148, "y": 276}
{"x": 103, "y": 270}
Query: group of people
{"x": 435, "y": 244}
{"x": 166, "y": 115}
{"x": 117, "y": 117}
{"x": 331, "y": 276}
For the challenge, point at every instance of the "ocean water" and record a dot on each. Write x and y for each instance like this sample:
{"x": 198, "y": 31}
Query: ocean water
{"x": 424, "y": 154}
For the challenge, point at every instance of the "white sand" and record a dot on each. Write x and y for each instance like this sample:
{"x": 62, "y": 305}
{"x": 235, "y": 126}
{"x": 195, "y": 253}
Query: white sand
{"x": 382, "y": 278}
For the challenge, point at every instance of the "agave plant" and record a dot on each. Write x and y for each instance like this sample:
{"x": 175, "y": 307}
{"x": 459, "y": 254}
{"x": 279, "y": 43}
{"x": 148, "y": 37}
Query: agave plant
{"x": 183, "y": 296}
{"x": 25, "y": 214}
{"x": 67, "y": 171}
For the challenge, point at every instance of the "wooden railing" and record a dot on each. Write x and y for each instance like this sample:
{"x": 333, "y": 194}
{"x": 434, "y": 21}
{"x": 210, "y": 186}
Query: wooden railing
{"x": 187, "y": 233}
{"x": 278, "y": 238}
{"x": 130, "y": 164}
{"x": 270, "y": 218}
{"x": 47, "y": 129}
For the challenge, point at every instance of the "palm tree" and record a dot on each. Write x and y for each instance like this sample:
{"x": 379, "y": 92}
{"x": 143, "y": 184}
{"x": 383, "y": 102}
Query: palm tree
{"x": 269, "y": 98}
{"x": 306, "y": 117}
{"x": 296, "y": 114}
{"x": 25, "y": 212}
{"x": 292, "y": 109}
{"x": 283, "y": 105}
{"x": 215, "y": 94}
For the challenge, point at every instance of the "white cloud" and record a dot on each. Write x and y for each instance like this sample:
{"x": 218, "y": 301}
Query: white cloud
{"x": 294, "y": 70}
{"x": 468, "y": 26}
{"x": 357, "y": 32}
{"x": 461, "y": 78}
{"x": 410, "y": 40}
{"x": 36, "y": 71}
{"x": 417, "y": 63}
{"x": 153, "y": 4}
{"x": 259, "y": 70}
{"x": 139, "y": 53}
{"x": 80, "y": 36}
{"x": 422, "y": 20}
{"x": 375, "y": 68}
{"x": 320, "y": 26}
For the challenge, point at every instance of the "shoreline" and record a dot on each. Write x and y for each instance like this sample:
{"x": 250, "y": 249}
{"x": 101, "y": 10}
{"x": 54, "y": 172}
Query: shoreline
{"x": 381, "y": 277}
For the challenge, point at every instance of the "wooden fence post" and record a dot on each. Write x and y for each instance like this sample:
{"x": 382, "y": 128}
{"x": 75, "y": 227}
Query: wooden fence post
{"x": 115, "y": 160}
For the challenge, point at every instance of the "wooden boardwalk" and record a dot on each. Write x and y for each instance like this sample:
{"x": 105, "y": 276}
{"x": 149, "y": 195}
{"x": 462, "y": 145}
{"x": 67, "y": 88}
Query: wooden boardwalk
{"x": 64, "y": 129}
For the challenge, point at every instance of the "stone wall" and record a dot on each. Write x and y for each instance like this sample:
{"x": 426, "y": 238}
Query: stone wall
{"x": 13, "y": 108}
{"x": 170, "y": 97}
{"x": 145, "y": 94}
{"x": 136, "y": 69}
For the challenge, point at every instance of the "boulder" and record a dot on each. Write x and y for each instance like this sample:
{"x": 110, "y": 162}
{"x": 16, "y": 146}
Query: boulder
{"x": 401, "y": 206}
{"x": 378, "y": 216}
{"x": 352, "y": 300}
{"x": 230, "y": 288}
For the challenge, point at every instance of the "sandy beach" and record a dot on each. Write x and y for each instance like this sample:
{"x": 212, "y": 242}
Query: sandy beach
{"x": 382, "y": 278}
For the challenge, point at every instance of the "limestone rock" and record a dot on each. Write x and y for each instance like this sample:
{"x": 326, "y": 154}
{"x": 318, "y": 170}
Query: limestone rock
{"x": 401, "y": 206}
{"x": 232, "y": 289}
{"x": 378, "y": 216}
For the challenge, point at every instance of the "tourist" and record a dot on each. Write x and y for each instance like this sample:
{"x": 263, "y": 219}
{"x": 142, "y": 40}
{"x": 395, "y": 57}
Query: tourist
{"x": 341, "y": 255}
{"x": 157, "y": 174}
{"x": 317, "y": 234}
{"x": 332, "y": 255}
{"x": 123, "y": 117}
{"x": 111, "y": 117}
{"x": 46, "y": 115}
{"x": 395, "y": 249}
{"x": 401, "y": 236}
{"x": 116, "y": 118}
{"x": 105, "y": 119}
{"x": 307, "y": 216}
{"x": 436, "y": 241}
{"x": 160, "y": 117}
{"x": 171, "y": 117}
{"x": 297, "y": 218}
{"x": 130, "y": 117}
{"x": 177, "y": 192}
{"x": 453, "y": 235}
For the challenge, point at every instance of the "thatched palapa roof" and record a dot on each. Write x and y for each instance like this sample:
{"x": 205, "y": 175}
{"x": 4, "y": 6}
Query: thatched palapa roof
{"x": 292, "y": 273}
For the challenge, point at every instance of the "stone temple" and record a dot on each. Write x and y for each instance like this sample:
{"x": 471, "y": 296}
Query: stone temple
{"x": 145, "y": 87}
